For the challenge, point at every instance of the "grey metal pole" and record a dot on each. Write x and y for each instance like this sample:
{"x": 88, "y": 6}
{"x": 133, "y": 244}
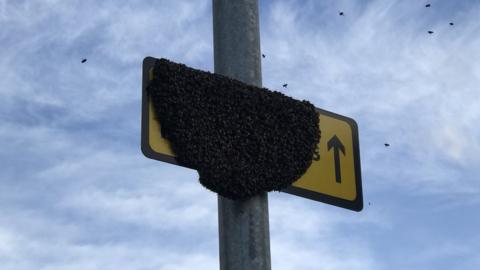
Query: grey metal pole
{"x": 243, "y": 224}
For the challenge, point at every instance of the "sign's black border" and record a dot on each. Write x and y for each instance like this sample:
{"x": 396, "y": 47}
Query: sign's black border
{"x": 148, "y": 63}
{"x": 356, "y": 205}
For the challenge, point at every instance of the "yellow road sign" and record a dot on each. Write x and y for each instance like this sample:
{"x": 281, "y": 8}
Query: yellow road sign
{"x": 334, "y": 179}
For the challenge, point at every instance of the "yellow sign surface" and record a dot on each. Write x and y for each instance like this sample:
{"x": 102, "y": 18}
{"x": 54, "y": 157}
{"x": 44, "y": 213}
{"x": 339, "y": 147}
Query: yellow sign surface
{"x": 324, "y": 175}
{"x": 334, "y": 178}
{"x": 155, "y": 140}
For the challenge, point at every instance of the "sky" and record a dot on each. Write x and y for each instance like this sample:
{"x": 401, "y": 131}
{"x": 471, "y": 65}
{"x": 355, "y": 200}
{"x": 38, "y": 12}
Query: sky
{"x": 77, "y": 193}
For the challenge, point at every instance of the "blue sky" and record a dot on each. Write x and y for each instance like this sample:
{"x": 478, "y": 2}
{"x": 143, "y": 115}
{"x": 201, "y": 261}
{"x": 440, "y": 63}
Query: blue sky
{"x": 77, "y": 193}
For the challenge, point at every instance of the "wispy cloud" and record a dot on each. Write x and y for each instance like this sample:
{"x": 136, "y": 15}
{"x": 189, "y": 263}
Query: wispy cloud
{"x": 378, "y": 65}
{"x": 76, "y": 193}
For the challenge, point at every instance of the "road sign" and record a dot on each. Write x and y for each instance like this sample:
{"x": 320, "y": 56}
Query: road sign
{"x": 335, "y": 178}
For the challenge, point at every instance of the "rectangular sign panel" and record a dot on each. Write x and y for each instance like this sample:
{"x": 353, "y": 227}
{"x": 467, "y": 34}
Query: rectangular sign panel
{"x": 334, "y": 179}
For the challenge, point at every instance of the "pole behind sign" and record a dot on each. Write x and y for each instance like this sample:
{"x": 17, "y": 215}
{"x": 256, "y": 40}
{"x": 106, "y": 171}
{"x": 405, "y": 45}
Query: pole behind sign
{"x": 243, "y": 224}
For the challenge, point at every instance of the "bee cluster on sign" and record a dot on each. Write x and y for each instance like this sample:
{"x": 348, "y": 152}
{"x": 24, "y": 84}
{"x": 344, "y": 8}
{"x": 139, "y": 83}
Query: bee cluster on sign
{"x": 243, "y": 140}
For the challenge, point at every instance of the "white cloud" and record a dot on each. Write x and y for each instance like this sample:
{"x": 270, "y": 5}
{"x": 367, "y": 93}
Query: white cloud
{"x": 330, "y": 255}
{"x": 173, "y": 208}
{"x": 309, "y": 235}
{"x": 43, "y": 66}
{"x": 80, "y": 208}
{"x": 77, "y": 194}
{"x": 54, "y": 254}
{"x": 178, "y": 30}
{"x": 378, "y": 65}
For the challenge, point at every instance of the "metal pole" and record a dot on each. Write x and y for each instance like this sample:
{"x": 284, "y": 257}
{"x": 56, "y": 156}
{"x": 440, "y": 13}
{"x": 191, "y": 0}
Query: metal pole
{"x": 243, "y": 224}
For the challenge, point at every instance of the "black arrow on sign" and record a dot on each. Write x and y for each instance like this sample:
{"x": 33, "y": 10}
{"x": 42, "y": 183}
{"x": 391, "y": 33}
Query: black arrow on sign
{"x": 336, "y": 144}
